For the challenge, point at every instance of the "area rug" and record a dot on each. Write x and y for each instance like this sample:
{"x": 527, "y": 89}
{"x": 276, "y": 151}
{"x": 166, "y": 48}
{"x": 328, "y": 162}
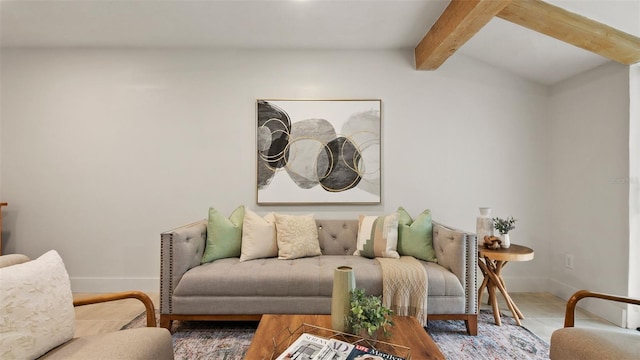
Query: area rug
{"x": 201, "y": 340}
{"x": 508, "y": 341}
{"x": 230, "y": 340}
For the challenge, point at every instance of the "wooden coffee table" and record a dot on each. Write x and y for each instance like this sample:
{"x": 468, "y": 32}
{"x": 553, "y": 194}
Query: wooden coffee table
{"x": 406, "y": 332}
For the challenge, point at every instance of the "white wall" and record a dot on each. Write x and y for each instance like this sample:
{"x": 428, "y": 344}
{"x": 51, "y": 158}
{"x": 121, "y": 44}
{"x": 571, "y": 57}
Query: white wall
{"x": 589, "y": 187}
{"x": 104, "y": 149}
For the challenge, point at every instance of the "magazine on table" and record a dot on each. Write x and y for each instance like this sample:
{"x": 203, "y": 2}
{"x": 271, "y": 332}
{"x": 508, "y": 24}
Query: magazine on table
{"x": 335, "y": 350}
{"x": 360, "y": 352}
{"x": 306, "y": 347}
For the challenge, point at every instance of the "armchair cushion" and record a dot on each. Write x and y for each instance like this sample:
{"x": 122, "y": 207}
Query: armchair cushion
{"x": 590, "y": 343}
{"x": 141, "y": 344}
{"x": 12, "y": 259}
{"x": 37, "y": 311}
{"x": 572, "y": 343}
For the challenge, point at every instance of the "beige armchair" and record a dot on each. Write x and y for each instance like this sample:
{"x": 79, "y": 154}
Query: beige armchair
{"x": 589, "y": 343}
{"x": 142, "y": 343}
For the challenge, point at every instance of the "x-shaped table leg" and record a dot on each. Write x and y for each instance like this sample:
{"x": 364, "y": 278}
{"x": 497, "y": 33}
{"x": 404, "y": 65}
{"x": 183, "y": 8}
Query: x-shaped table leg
{"x": 492, "y": 279}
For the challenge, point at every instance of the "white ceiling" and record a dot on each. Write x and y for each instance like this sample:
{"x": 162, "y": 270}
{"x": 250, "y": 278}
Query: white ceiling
{"x": 310, "y": 24}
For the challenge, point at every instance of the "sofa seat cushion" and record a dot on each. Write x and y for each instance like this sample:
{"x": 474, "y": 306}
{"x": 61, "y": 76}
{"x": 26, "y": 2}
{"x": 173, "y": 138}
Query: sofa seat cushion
{"x": 141, "y": 343}
{"x": 304, "y": 277}
{"x": 312, "y": 276}
{"x": 442, "y": 282}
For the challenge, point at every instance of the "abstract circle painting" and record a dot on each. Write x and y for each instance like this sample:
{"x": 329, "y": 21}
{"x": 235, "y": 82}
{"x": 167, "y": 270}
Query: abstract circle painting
{"x": 318, "y": 151}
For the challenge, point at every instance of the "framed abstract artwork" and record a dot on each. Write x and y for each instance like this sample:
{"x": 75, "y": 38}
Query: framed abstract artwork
{"x": 318, "y": 151}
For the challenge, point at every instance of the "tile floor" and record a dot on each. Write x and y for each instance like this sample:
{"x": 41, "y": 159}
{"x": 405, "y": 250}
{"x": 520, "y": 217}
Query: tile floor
{"x": 543, "y": 313}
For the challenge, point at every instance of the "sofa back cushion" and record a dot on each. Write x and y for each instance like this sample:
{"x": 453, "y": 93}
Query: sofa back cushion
{"x": 337, "y": 237}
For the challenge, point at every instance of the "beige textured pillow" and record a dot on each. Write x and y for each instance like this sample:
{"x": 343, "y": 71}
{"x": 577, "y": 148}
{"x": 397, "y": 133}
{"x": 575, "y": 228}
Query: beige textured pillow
{"x": 36, "y": 312}
{"x": 258, "y": 236}
{"x": 297, "y": 236}
{"x": 378, "y": 236}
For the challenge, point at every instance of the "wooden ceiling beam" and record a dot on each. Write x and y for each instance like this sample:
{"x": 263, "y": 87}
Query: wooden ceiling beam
{"x": 574, "y": 29}
{"x": 458, "y": 23}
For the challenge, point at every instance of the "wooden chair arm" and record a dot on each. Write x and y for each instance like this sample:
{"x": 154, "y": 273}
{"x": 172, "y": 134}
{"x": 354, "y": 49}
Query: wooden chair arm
{"x": 569, "y": 316}
{"x": 144, "y": 298}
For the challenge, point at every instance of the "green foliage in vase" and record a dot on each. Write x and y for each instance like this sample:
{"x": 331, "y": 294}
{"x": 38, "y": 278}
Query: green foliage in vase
{"x": 504, "y": 225}
{"x": 368, "y": 313}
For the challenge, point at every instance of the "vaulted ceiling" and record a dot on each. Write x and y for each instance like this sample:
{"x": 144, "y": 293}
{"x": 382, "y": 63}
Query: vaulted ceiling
{"x": 343, "y": 24}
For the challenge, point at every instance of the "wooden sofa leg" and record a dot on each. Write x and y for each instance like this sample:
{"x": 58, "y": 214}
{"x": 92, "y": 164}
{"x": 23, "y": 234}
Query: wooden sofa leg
{"x": 472, "y": 325}
{"x": 470, "y": 320}
{"x": 165, "y": 322}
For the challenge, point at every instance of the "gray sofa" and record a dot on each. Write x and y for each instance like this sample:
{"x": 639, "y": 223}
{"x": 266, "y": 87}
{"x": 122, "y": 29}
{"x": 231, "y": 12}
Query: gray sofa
{"x": 228, "y": 289}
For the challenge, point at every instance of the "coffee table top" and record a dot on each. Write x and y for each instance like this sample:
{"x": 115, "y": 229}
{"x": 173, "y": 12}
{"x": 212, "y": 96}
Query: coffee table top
{"x": 406, "y": 332}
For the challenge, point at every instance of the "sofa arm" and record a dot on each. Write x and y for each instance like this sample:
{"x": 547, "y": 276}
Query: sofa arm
{"x": 457, "y": 251}
{"x": 180, "y": 250}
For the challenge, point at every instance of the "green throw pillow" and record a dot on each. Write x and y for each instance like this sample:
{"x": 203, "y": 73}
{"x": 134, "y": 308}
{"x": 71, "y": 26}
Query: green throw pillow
{"x": 415, "y": 237}
{"x": 224, "y": 236}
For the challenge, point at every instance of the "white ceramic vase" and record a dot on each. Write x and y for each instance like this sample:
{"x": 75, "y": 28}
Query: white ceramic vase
{"x": 484, "y": 224}
{"x": 344, "y": 282}
{"x": 506, "y": 242}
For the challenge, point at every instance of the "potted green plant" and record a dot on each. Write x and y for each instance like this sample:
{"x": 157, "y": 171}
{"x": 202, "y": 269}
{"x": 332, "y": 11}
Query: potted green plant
{"x": 368, "y": 315}
{"x": 504, "y": 226}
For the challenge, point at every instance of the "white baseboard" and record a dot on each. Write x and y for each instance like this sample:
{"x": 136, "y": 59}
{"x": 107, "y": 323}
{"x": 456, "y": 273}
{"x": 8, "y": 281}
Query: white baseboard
{"x": 607, "y": 310}
{"x": 518, "y": 284}
{"x": 522, "y": 284}
{"x": 103, "y": 285}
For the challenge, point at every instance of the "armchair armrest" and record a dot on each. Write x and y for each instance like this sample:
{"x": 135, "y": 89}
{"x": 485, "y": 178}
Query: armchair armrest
{"x": 456, "y": 251}
{"x": 144, "y": 298}
{"x": 569, "y": 316}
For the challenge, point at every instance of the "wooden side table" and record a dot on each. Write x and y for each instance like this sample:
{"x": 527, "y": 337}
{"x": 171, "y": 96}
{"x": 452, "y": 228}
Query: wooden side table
{"x": 1, "y": 205}
{"x": 491, "y": 263}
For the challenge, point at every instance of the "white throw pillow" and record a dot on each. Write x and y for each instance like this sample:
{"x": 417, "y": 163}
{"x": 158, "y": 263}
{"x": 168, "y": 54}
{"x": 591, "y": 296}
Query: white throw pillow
{"x": 378, "y": 236}
{"x": 258, "y": 236}
{"x": 297, "y": 236}
{"x": 37, "y": 307}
